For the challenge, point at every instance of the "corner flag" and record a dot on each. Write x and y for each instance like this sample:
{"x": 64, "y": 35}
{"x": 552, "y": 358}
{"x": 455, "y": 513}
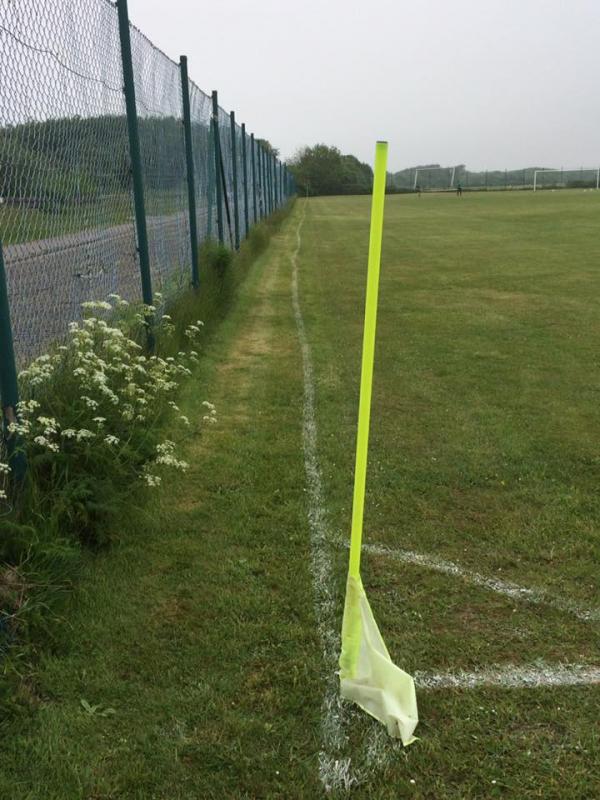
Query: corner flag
{"x": 368, "y": 676}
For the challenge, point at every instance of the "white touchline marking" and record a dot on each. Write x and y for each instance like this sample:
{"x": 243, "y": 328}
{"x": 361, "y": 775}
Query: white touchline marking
{"x": 512, "y": 590}
{"x": 511, "y": 676}
{"x": 334, "y": 768}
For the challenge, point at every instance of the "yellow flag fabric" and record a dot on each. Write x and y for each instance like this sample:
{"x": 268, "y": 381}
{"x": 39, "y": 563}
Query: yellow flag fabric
{"x": 367, "y": 675}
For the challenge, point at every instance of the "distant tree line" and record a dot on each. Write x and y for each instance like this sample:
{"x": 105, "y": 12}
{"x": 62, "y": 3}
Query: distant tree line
{"x": 52, "y": 164}
{"x": 324, "y": 170}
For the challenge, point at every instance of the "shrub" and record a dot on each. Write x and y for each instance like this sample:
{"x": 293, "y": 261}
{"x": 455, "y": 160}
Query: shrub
{"x": 89, "y": 414}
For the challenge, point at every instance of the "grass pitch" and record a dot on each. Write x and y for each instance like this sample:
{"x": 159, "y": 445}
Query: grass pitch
{"x": 199, "y": 630}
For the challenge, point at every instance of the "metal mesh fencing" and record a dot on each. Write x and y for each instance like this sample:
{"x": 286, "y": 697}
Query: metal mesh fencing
{"x": 204, "y": 162}
{"x": 67, "y": 224}
{"x": 66, "y": 212}
{"x": 162, "y": 146}
{"x": 226, "y": 173}
{"x": 252, "y": 181}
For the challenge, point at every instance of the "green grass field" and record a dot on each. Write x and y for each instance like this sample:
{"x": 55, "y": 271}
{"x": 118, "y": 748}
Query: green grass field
{"x": 200, "y": 629}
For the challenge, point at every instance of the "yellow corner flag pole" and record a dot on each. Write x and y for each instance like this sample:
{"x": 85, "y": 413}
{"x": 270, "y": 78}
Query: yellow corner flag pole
{"x": 368, "y": 357}
{"x": 367, "y": 675}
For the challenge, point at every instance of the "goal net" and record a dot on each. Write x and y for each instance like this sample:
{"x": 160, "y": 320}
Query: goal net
{"x": 579, "y": 178}
{"x": 434, "y": 178}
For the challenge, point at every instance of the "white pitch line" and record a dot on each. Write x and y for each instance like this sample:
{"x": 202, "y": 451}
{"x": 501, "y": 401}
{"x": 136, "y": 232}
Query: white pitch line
{"x": 511, "y": 677}
{"x": 512, "y": 590}
{"x": 334, "y": 768}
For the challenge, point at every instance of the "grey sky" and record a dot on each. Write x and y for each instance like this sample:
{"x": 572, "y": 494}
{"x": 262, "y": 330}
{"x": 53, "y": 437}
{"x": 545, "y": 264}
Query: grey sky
{"x": 489, "y": 83}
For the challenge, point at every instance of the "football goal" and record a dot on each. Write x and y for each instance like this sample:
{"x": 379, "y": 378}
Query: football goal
{"x": 581, "y": 178}
{"x": 450, "y": 172}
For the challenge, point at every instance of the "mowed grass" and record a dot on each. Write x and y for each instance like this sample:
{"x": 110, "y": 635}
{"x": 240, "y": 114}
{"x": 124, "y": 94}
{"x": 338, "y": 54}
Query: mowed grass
{"x": 199, "y": 628}
{"x": 484, "y": 450}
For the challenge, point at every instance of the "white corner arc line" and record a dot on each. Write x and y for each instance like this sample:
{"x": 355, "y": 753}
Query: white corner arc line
{"x": 335, "y": 769}
{"x": 506, "y": 588}
{"x": 511, "y": 676}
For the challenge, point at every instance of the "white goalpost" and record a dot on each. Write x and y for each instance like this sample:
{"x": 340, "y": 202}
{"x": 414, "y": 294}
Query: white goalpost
{"x": 452, "y": 170}
{"x": 578, "y": 170}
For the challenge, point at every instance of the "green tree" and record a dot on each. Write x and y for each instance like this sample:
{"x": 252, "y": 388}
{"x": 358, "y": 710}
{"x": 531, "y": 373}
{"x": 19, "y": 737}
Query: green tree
{"x": 269, "y": 147}
{"x": 323, "y": 170}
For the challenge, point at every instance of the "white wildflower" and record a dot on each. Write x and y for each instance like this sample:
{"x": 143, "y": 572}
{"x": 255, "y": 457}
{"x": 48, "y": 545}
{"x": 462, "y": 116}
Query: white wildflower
{"x": 27, "y": 406}
{"x": 93, "y": 404}
{"x": 49, "y": 424}
{"x": 22, "y": 428}
{"x": 101, "y": 305}
{"x": 43, "y": 441}
{"x": 127, "y": 412}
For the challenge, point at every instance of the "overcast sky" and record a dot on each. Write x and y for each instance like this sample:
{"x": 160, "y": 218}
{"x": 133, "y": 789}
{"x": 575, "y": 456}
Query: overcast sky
{"x": 489, "y": 83}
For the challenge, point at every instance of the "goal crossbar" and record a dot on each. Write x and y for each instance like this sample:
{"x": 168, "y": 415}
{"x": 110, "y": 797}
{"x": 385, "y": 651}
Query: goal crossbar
{"x": 595, "y": 170}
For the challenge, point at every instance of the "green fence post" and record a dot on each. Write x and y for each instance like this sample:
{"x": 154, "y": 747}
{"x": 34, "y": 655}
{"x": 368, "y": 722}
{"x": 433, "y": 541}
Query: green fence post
{"x": 9, "y": 388}
{"x": 261, "y": 176}
{"x": 280, "y": 183}
{"x": 266, "y": 180}
{"x": 210, "y": 179}
{"x": 276, "y": 181}
{"x": 253, "y": 165}
{"x": 245, "y": 179}
{"x": 267, "y": 157}
{"x": 189, "y": 158}
{"x": 267, "y": 163}
{"x": 236, "y": 204}
{"x": 263, "y": 155}
{"x": 136, "y": 159}
{"x": 217, "y": 152}
{"x": 272, "y": 180}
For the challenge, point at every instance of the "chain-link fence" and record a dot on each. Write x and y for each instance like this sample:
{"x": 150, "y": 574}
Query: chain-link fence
{"x": 70, "y": 226}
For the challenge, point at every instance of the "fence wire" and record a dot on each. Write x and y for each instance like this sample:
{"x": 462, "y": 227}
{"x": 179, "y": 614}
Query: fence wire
{"x": 162, "y": 145}
{"x": 66, "y": 215}
{"x": 67, "y": 223}
{"x": 204, "y": 162}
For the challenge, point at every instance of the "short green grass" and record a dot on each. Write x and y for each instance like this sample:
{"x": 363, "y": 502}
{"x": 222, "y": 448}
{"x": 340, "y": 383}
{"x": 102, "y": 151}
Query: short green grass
{"x": 199, "y": 628}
